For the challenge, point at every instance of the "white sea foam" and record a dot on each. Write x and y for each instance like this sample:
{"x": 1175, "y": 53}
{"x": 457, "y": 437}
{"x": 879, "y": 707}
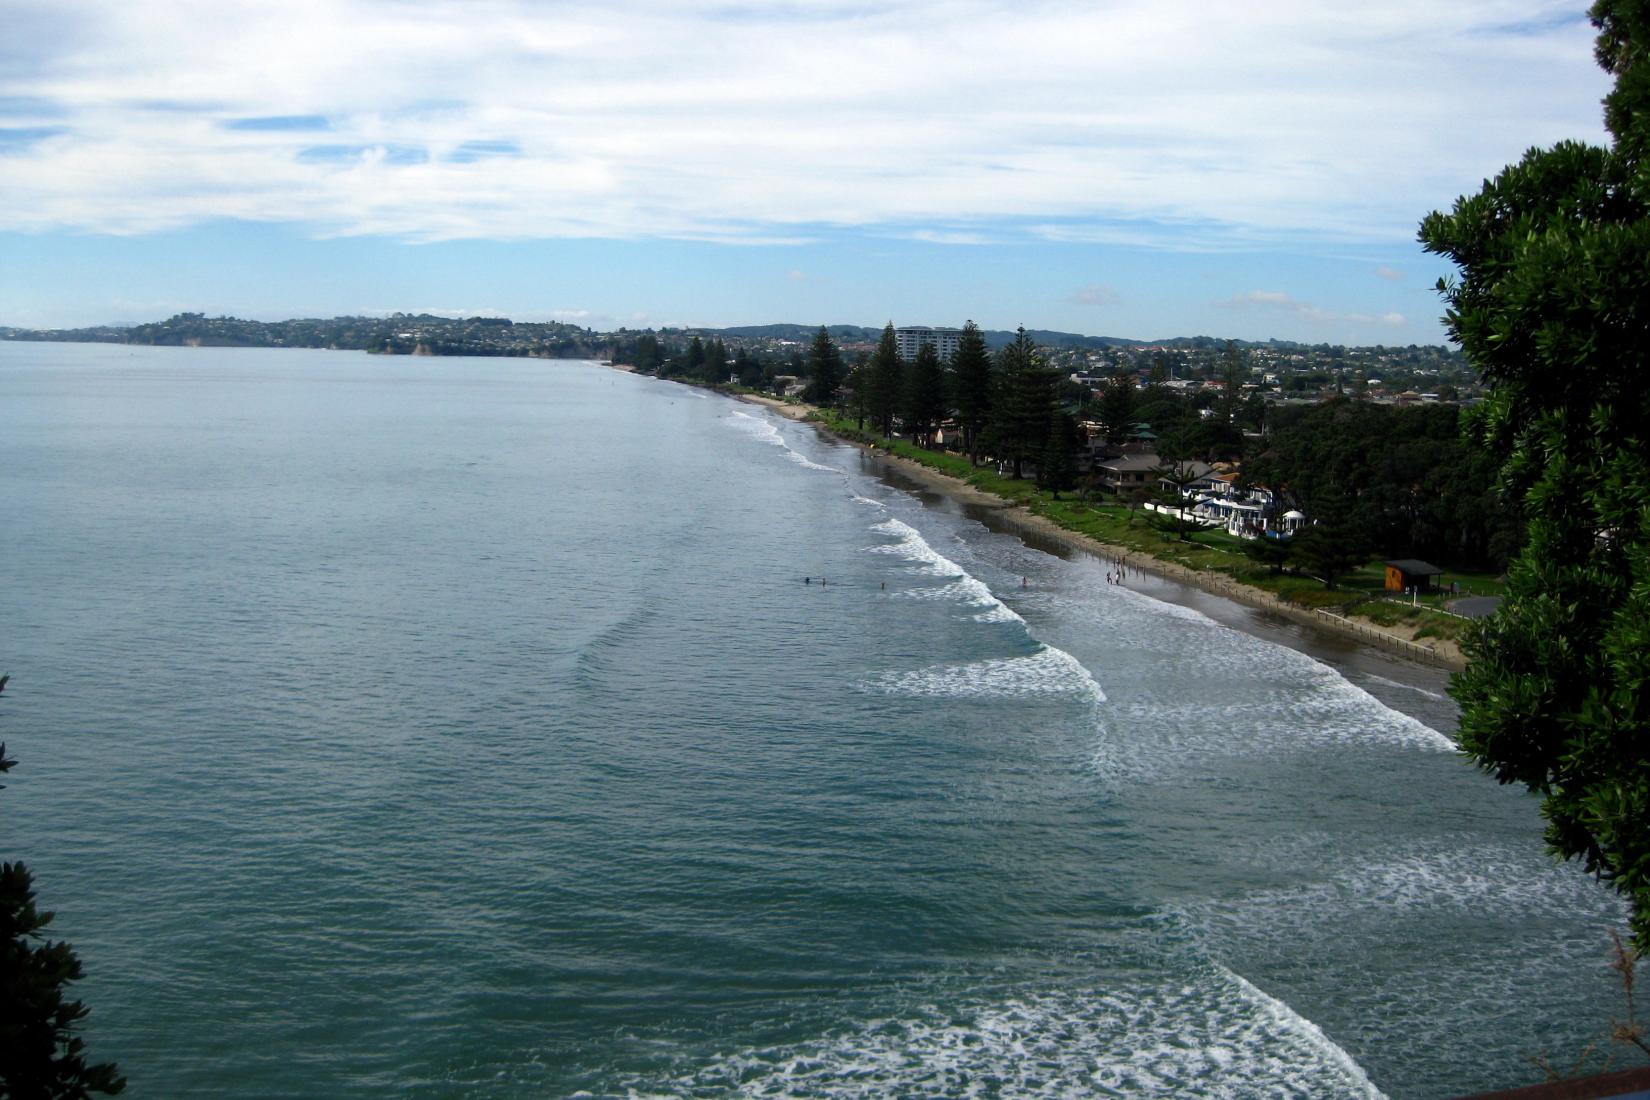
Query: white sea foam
{"x": 868, "y": 501}
{"x": 1292, "y": 1021}
{"x": 1241, "y": 695}
{"x": 1410, "y": 687}
{"x": 915, "y": 549}
{"x": 1212, "y": 1035}
{"x": 765, "y": 431}
{"x": 1460, "y": 934}
{"x": 1047, "y": 673}
{"x": 1485, "y": 880}
{"x": 1167, "y": 733}
{"x": 924, "y": 559}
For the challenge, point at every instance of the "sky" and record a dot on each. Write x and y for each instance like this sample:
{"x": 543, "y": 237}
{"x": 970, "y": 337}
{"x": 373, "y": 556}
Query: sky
{"x": 1135, "y": 168}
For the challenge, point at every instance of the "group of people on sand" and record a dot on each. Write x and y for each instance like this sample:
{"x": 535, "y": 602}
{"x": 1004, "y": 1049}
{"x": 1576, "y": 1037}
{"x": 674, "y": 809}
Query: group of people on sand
{"x": 1117, "y": 572}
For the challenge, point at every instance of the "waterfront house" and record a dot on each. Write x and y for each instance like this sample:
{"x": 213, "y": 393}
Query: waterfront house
{"x": 1122, "y": 474}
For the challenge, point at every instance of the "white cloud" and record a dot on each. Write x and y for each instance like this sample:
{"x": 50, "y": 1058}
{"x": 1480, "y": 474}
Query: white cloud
{"x": 1266, "y": 298}
{"x": 1279, "y": 301}
{"x": 1390, "y": 274}
{"x": 1166, "y": 123}
{"x": 1094, "y": 295}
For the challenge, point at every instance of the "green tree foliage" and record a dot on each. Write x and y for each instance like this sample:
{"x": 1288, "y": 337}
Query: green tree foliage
{"x": 972, "y": 389}
{"x": 1233, "y": 373}
{"x": 1209, "y": 439}
{"x": 1057, "y": 467}
{"x": 749, "y": 370}
{"x": 1165, "y": 410}
{"x": 883, "y": 377}
{"x": 855, "y": 386}
{"x": 41, "y": 1057}
{"x": 647, "y": 357}
{"x": 922, "y": 404}
{"x": 1553, "y": 307}
{"x": 1024, "y": 404}
{"x": 1334, "y": 543}
{"x": 824, "y": 369}
{"x": 1273, "y": 553}
{"x": 716, "y": 361}
{"x": 1173, "y": 478}
{"x": 1118, "y": 402}
{"x": 695, "y": 366}
{"x": 1422, "y": 487}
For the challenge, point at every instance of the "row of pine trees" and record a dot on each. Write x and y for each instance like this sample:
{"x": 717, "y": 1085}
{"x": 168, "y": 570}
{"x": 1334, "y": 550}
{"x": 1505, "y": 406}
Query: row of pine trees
{"x": 1005, "y": 407}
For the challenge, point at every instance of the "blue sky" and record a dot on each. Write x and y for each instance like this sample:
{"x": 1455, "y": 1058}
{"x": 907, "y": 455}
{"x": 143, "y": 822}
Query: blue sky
{"x": 1115, "y": 168}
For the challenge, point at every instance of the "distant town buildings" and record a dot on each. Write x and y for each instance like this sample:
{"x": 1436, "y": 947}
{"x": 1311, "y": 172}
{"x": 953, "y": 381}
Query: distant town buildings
{"x": 911, "y": 339}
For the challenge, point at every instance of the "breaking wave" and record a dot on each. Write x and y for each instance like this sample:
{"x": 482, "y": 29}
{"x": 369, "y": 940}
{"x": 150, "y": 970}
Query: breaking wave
{"x": 1213, "y": 1034}
{"x": 763, "y": 430}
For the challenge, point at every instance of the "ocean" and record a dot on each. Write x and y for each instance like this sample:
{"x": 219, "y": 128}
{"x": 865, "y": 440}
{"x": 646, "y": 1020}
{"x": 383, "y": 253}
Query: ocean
{"x": 467, "y": 728}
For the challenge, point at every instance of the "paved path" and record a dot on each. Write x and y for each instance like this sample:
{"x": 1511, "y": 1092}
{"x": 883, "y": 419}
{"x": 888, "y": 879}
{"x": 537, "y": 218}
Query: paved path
{"x": 1474, "y": 607}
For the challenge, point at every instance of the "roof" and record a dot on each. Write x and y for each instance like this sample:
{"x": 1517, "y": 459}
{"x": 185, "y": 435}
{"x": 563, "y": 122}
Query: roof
{"x": 1415, "y": 567}
{"x": 1131, "y": 462}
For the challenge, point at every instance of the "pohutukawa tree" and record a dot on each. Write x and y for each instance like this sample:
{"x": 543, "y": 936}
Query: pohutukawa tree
{"x": 1553, "y": 306}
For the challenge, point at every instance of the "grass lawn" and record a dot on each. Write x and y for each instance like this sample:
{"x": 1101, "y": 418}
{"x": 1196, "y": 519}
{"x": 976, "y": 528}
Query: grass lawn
{"x": 1362, "y": 592}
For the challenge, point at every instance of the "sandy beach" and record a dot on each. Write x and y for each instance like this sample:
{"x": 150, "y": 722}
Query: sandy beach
{"x": 1440, "y": 653}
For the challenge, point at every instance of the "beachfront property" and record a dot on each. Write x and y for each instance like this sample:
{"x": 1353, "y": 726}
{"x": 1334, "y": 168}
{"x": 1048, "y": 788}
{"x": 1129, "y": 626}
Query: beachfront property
{"x": 1122, "y": 474}
{"x": 1210, "y": 496}
{"x": 910, "y": 339}
{"x": 1247, "y": 513}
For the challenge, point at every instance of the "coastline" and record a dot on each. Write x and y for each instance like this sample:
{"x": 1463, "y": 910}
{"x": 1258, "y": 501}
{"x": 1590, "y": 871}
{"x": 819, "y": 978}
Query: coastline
{"x": 1016, "y": 519}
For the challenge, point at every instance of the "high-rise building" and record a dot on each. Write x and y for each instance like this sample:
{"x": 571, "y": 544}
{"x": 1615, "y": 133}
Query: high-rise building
{"x": 910, "y": 340}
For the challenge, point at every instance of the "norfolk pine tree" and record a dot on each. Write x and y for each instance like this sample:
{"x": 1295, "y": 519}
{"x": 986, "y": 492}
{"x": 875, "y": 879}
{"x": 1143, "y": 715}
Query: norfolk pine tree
{"x": 922, "y": 404}
{"x": 855, "y": 387}
{"x": 882, "y": 382}
{"x": 1057, "y": 468}
{"x": 1024, "y": 404}
{"x": 971, "y": 387}
{"x": 1553, "y": 306}
{"x": 824, "y": 369}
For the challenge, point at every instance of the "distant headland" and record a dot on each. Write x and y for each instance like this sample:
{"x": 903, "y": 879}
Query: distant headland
{"x": 429, "y": 334}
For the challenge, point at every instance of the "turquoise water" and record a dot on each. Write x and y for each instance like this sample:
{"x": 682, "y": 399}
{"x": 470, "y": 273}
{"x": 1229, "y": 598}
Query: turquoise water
{"x": 410, "y": 727}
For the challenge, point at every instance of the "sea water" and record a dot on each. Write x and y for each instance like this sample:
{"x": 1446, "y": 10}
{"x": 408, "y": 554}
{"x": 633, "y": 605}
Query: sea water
{"x": 506, "y": 728}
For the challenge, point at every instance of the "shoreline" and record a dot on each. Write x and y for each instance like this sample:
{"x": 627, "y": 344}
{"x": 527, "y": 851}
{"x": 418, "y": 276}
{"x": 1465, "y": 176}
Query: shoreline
{"x": 1018, "y": 520}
